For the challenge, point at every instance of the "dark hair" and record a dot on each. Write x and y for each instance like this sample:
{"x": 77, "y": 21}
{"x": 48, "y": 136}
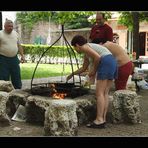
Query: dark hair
{"x": 7, "y": 21}
{"x": 103, "y": 15}
{"x": 78, "y": 39}
{"x": 99, "y": 40}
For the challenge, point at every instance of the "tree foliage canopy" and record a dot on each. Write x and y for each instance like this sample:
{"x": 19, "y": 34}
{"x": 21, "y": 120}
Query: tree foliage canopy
{"x": 28, "y": 19}
{"x": 70, "y": 19}
{"x": 127, "y": 20}
{"x": 74, "y": 19}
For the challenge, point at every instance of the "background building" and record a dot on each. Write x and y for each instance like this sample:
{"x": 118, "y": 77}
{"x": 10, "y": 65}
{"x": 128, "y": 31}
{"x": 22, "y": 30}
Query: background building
{"x": 48, "y": 33}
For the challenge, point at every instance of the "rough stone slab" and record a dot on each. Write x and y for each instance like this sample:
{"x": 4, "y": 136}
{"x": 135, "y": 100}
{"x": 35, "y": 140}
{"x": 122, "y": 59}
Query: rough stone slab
{"x": 4, "y": 119}
{"x": 125, "y": 107}
{"x": 36, "y": 107}
{"x": 40, "y": 101}
{"x": 16, "y": 97}
{"x": 6, "y": 86}
{"x": 61, "y": 118}
{"x": 86, "y": 108}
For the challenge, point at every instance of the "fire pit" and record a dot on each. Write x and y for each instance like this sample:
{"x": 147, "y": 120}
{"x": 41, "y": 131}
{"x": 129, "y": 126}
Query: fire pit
{"x": 60, "y": 89}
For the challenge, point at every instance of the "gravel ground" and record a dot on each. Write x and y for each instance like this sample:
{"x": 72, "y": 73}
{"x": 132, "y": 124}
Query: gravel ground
{"x": 120, "y": 130}
{"x": 20, "y": 129}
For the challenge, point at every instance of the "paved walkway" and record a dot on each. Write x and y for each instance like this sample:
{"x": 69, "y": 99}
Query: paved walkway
{"x": 26, "y": 84}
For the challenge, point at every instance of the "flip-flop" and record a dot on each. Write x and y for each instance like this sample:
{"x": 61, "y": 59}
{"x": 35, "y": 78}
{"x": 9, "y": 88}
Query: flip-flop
{"x": 94, "y": 125}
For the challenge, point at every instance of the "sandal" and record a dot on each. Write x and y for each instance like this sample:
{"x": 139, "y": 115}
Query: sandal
{"x": 94, "y": 125}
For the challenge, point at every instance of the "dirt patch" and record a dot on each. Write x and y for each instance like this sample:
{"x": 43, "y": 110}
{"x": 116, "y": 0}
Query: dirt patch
{"x": 21, "y": 129}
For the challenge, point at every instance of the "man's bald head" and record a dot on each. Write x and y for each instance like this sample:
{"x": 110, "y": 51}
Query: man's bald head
{"x": 8, "y": 26}
{"x": 100, "y": 19}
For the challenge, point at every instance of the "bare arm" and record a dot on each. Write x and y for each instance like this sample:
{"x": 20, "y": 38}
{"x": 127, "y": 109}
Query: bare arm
{"x": 21, "y": 52}
{"x": 80, "y": 70}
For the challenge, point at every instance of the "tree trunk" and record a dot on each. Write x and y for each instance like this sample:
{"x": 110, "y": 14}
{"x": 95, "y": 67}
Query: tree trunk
{"x": 136, "y": 49}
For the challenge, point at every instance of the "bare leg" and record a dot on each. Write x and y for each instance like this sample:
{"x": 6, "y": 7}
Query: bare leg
{"x": 101, "y": 86}
{"x": 109, "y": 84}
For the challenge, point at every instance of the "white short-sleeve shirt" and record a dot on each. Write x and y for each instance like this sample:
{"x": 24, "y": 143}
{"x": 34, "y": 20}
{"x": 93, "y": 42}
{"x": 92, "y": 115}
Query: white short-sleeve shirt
{"x": 8, "y": 43}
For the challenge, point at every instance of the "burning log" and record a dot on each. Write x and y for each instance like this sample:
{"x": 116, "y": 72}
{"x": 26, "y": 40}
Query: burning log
{"x": 59, "y": 90}
{"x": 59, "y": 95}
{"x": 54, "y": 93}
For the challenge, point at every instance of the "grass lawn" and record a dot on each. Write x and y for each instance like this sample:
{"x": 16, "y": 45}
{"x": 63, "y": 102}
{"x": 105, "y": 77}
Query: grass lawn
{"x": 44, "y": 70}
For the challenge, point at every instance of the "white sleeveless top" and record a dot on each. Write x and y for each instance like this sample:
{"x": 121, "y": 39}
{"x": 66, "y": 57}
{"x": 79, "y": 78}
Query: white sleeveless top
{"x": 101, "y": 50}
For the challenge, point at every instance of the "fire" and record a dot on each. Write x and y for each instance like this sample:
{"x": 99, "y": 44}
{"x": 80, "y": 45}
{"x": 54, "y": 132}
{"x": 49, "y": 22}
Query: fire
{"x": 59, "y": 95}
{"x": 55, "y": 94}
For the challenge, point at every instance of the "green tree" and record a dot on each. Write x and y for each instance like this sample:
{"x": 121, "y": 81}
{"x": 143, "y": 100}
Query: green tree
{"x": 29, "y": 19}
{"x": 70, "y": 19}
{"x": 132, "y": 20}
{"x": 126, "y": 18}
{"x": 74, "y": 20}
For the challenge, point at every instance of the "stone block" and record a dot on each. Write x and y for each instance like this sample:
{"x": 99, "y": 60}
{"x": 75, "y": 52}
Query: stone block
{"x": 61, "y": 118}
{"x": 125, "y": 107}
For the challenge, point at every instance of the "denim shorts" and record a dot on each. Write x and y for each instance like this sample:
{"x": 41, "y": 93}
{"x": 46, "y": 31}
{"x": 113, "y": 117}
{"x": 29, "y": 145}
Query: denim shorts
{"x": 107, "y": 68}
